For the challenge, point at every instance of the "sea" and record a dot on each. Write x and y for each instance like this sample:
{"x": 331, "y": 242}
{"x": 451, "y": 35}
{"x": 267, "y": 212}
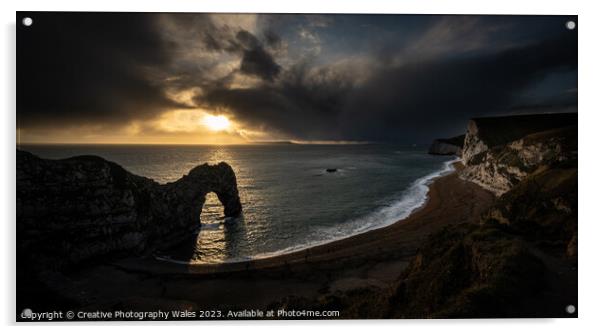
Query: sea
{"x": 290, "y": 201}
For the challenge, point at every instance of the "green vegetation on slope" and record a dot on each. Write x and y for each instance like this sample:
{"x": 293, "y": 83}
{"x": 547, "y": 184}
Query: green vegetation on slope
{"x": 495, "y": 131}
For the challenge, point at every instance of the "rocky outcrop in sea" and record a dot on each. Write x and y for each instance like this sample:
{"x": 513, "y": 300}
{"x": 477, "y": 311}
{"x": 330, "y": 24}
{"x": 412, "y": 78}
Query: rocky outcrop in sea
{"x": 447, "y": 146}
{"x": 85, "y": 208}
{"x": 519, "y": 259}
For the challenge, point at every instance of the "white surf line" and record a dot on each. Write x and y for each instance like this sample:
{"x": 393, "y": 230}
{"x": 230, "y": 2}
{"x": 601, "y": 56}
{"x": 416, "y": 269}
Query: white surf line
{"x": 412, "y": 199}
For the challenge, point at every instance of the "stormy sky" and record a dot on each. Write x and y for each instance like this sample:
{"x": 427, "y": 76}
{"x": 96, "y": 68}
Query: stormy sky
{"x": 153, "y": 78}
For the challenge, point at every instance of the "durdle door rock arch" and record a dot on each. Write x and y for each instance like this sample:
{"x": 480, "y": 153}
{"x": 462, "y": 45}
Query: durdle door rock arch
{"x": 85, "y": 207}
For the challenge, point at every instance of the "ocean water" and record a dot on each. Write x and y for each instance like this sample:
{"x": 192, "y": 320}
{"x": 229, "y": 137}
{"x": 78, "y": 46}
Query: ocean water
{"x": 289, "y": 200}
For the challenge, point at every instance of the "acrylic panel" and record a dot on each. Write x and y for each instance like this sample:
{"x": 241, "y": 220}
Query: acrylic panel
{"x": 207, "y": 166}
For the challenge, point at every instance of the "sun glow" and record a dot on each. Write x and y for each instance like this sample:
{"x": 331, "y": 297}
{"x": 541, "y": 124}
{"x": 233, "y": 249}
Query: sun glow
{"x": 216, "y": 123}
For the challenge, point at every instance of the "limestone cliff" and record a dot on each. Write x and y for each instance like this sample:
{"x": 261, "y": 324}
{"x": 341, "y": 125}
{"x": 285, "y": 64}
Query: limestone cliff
{"x": 490, "y": 132}
{"x": 85, "y": 207}
{"x": 499, "y": 152}
{"x": 520, "y": 258}
{"x": 447, "y": 146}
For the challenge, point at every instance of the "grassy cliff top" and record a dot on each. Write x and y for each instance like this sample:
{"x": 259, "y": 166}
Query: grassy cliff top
{"x": 496, "y": 131}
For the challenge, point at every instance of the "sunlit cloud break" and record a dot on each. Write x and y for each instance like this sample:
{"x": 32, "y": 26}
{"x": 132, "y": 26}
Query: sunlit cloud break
{"x": 240, "y": 78}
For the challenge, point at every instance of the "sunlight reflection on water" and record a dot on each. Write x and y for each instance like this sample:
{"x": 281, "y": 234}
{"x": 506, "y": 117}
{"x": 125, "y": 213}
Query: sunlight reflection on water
{"x": 288, "y": 198}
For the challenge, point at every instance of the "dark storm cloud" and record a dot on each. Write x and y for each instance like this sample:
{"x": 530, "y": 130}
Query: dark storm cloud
{"x": 89, "y": 68}
{"x": 272, "y": 39}
{"x": 303, "y": 104}
{"x": 417, "y": 99}
{"x": 380, "y": 78}
{"x": 256, "y": 60}
{"x": 409, "y": 102}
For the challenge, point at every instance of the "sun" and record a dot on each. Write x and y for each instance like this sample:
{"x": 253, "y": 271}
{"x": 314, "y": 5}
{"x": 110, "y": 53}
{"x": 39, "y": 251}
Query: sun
{"x": 216, "y": 123}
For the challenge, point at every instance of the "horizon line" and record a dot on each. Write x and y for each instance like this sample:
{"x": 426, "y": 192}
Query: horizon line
{"x": 288, "y": 142}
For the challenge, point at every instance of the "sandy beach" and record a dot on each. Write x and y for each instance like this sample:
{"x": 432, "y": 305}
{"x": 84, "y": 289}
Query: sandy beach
{"x": 342, "y": 166}
{"x": 450, "y": 201}
{"x": 371, "y": 260}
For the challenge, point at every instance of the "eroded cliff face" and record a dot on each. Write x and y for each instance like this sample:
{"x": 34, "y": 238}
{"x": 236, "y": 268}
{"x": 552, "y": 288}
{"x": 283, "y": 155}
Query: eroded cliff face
{"x": 81, "y": 208}
{"x": 518, "y": 258}
{"x": 500, "y": 168}
{"x": 473, "y": 144}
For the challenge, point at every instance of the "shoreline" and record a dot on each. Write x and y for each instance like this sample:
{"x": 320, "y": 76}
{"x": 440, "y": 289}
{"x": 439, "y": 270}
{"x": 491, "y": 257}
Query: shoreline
{"x": 398, "y": 240}
{"x": 370, "y": 262}
{"x": 421, "y": 185}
